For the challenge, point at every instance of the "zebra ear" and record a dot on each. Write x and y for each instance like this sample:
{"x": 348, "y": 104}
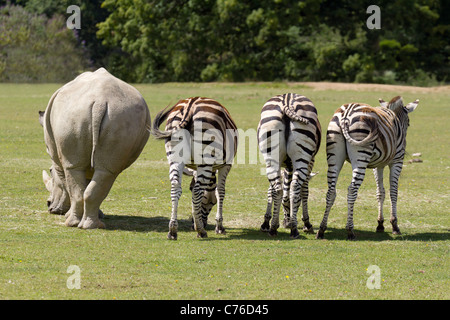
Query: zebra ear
{"x": 383, "y": 103}
{"x": 410, "y": 107}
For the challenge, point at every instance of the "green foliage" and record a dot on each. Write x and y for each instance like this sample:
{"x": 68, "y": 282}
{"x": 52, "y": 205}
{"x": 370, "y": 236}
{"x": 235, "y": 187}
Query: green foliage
{"x": 230, "y": 40}
{"x": 34, "y": 48}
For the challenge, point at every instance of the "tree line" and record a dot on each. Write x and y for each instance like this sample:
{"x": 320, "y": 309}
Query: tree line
{"x": 228, "y": 40}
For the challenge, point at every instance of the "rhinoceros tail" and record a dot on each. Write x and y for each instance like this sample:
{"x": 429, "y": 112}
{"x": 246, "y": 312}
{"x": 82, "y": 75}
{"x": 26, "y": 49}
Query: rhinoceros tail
{"x": 98, "y": 113}
{"x": 159, "y": 119}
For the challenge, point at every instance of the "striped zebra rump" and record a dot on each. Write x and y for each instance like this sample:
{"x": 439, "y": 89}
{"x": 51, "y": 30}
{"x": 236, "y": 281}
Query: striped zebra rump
{"x": 367, "y": 137}
{"x": 201, "y": 141}
{"x": 199, "y": 131}
{"x": 289, "y": 136}
{"x": 369, "y": 130}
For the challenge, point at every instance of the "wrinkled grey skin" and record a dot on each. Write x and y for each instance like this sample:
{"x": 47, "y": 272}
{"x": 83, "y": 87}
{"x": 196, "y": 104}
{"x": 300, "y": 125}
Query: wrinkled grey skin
{"x": 94, "y": 128}
{"x": 58, "y": 202}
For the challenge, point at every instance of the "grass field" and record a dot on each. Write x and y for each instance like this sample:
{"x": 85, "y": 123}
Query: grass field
{"x": 132, "y": 258}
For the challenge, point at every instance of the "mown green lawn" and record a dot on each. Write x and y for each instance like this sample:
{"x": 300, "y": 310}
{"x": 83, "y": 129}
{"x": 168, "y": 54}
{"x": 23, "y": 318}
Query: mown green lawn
{"x": 132, "y": 258}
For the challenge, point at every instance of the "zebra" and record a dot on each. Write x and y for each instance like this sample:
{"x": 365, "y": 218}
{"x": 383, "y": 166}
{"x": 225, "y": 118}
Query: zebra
{"x": 200, "y": 141}
{"x": 367, "y": 137}
{"x": 289, "y": 136}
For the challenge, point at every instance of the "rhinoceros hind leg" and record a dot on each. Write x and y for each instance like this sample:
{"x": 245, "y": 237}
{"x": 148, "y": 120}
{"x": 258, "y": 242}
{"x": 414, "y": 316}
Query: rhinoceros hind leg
{"x": 95, "y": 193}
{"x": 76, "y": 185}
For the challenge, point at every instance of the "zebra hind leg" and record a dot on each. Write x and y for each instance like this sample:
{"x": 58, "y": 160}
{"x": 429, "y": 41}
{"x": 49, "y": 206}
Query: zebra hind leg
{"x": 394, "y": 175}
{"x": 277, "y": 194}
{"x": 299, "y": 177}
{"x": 274, "y": 195}
{"x": 358, "y": 177}
{"x": 286, "y": 203}
{"x": 304, "y": 193}
{"x": 332, "y": 176}
{"x": 307, "y": 226}
{"x": 378, "y": 173}
{"x": 268, "y": 215}
{"x": 220, "y": 195}
{"x": 175, "y": 174}
{"x": 204, "y": 176}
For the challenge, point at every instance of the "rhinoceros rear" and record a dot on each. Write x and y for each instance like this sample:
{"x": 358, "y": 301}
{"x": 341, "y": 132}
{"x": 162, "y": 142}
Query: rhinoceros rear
{"x": 94, "y": 127}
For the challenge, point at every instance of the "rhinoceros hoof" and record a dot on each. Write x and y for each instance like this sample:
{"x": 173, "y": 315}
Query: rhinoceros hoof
{"x": 72, "y": 221}
{"x": 89, "y": 223}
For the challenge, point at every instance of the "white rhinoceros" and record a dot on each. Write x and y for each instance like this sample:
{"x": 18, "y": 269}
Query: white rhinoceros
{"x": 94, "y": 127}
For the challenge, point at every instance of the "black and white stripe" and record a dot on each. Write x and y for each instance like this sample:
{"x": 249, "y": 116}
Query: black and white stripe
{"x": 289, "y": 136}
{"x": 201, "y": 140}
{"x": 367, "y": 137}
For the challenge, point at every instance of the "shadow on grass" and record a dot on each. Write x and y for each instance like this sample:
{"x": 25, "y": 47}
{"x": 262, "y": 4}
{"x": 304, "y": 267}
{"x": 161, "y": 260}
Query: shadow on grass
{"x": 368, "y": 235}
{"x": 142, "y": 224}
{"x": 161, "y": 224}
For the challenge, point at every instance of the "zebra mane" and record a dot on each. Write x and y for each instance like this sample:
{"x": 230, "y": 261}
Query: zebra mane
{"x": 396, "y": 104}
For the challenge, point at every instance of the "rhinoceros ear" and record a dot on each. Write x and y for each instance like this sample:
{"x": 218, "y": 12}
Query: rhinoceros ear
{"x": 41, "y": 117}
{"x": 47, "y": 180}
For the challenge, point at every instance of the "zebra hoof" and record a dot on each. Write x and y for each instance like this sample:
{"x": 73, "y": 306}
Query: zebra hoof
{"x": 395, "y": 229}
{"x": 172, "y": 236}
{"x": 380, "y": 227}
{"x": 320, "y": 234}
{"x": 287, "y": 223}
{"x": 220, "y": 230}
{"x": 273, "y": 232}
{"x": 294, "y": 233}
{"x": 308, "y": 229}
{"x": 265, "y": 227}
{"x": 202, "y": 234}
{"x": 351, "y": 236}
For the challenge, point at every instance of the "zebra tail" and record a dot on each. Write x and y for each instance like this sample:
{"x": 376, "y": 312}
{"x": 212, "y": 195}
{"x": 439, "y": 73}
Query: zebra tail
{"x": 159, "y": 119}
{"x": 371, "y": 137}
{"x": 290, "y": 112}
{"x": 97, "y": 114}
{"x": 189, "y": 172}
